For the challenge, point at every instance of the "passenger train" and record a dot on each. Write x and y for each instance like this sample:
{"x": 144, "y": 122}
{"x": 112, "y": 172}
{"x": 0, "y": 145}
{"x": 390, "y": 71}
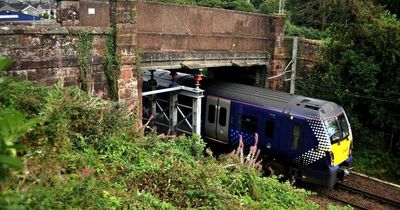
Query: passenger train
{"x": 305, "y": 138}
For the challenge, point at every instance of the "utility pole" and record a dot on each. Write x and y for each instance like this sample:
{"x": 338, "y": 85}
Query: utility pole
{"x": 281, "y": 6}
{"x": 294, "y": 64}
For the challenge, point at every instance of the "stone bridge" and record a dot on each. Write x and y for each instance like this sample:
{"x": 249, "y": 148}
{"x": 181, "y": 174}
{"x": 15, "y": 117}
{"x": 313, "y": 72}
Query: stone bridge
{"x": 148, "y": 36}
{"x": 177, "y": 36}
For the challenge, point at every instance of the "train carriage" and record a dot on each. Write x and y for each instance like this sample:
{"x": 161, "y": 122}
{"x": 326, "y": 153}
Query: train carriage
{"x": 305, "y": 138}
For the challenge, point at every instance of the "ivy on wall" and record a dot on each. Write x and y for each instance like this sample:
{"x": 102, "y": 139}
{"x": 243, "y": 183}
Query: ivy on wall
{"x": 85, "y": 51}
{"x": 112, "y": 65}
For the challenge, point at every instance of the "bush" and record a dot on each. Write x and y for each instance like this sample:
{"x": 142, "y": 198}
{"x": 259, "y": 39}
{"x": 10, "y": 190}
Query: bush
{"x": 239, "y": 5}
{"x": 377, "y": 163}
{"x": 269, "y": 6}
{"x": 302, "y": 31}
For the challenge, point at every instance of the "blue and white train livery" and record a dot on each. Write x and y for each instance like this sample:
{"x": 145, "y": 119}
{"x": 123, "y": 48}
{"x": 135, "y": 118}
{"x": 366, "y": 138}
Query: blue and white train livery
{"x": 305, "y": 138}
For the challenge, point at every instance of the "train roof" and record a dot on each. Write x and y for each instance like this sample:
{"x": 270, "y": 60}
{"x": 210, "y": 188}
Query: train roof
{"x": 270, "y": 99}
{"x": 274, "y": 100}
{"x": 250, "y": 94}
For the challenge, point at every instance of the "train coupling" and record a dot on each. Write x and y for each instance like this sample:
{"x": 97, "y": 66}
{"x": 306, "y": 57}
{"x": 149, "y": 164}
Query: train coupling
{"x": 346, "y": 172}
{"x": 342, "y": 173}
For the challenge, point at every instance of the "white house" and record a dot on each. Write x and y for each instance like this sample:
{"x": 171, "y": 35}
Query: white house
{"x": 30, "y": 10}
{"x": 47, "y": 8}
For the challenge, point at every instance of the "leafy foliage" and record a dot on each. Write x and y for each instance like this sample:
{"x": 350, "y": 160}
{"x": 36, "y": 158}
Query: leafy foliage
{"x": 302, "y": 31}
{"x": 12, "y": 126}
{"x": 240, "y": 5}
{"x": 111, "y": 63}
{"x": 320, "y": 14}
{"x": 269, "y": 6}
{"x": 85, "y": 50}
{"x": 359, "y": 70}
{"x": 392, "y": 5}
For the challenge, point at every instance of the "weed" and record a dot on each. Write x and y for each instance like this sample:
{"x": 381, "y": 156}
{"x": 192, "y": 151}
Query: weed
{"x": 85, "y": 51}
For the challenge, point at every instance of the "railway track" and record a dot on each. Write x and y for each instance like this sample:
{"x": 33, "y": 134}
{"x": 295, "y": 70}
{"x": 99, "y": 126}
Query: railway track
{"x": 361, "y": 192}
{"x": 347, "y": 202}
{"x": 375, "y": 179}
{"x": 381, "y": 199}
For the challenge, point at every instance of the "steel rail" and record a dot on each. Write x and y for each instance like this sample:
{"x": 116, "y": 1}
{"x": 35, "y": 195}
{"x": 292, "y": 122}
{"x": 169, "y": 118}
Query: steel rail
{"x": 347, "y": 202}
{"x": 368, "y": 194}
{"x": 375, "y": 179}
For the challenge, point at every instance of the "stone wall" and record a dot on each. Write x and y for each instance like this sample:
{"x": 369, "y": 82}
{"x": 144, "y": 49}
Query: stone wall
{"x": 48, "y": 54}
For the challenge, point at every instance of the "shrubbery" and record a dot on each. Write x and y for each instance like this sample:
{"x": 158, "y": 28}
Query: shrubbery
{"x": 239, "y": 5}
{"x": 87, "y": 153}
{"x": 302, "y": 31}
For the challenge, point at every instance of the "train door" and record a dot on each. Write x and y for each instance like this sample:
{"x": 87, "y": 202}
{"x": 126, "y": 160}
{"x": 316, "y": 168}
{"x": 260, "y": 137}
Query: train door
{"x": 269, "y": 132}
{"x": 217, "y": 118}
{"x": 296, "y": 138}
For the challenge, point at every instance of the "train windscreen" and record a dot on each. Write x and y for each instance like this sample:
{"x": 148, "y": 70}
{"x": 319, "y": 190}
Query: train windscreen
{"x": 337, "y": 128}
{"x": 344, "y": 126}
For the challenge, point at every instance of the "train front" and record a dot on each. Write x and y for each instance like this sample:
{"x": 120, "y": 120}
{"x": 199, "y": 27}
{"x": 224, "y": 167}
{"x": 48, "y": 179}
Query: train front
{"x": 341, "y": 140}
{"x": 327, "y": 158}
{"x": 335, "y": 141}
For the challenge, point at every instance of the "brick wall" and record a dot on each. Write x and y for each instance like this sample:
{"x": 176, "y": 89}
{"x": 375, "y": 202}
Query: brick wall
{"x": 48, "y": 54}
{"x": 169, "y": 27}
{"x": 306, "y": 59}
{"x": 123, "y": 14}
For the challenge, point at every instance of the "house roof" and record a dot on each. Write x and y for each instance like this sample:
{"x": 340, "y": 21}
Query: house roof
{"x": 47, "y": 6}
{"x": 8, "y": 7}
{"x": 29, "y": 7}
{"x": 11, "y": 16}
{"x": 18, "y": 6}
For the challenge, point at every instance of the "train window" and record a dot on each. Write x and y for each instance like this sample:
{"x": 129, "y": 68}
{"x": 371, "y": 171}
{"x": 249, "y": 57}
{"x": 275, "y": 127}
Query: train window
{"x": 222, "y": 116}
{"x": 296, "y": 137}
{"x": 211, "y": 114}
{"x": 333, "y": 130}
{"x": 248, "y": 123}
{"x": 344, "y": 127}
{"x": 269, "y": 128}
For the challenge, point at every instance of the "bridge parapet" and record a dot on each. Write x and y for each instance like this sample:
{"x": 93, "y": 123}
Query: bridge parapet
{"x": 175, "y": 36}
{"x": 196, "y": 60}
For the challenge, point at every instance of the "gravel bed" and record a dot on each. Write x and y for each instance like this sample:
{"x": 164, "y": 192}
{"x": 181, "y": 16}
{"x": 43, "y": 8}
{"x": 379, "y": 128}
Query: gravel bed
{"x": 373, "y": 187}
{"x": 322, "y": 196}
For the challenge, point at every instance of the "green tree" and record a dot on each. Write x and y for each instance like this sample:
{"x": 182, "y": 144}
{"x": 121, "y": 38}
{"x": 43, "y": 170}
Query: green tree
{"x": 321, "y": 13}
{"x": 391, "y": 5}
{"x": 269, "y": 6}
{"x": 240, "y": 5}
{"x": 359, "y": 69}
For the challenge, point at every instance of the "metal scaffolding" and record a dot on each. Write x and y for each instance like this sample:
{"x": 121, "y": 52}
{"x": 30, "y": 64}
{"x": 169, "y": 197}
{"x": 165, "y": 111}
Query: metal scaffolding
{"x": 165, "y": 110}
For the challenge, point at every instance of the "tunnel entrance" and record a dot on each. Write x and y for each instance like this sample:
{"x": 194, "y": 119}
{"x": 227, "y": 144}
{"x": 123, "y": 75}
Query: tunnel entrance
{"x": 172, "y": 100}
{"x": 254, "y": 75}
